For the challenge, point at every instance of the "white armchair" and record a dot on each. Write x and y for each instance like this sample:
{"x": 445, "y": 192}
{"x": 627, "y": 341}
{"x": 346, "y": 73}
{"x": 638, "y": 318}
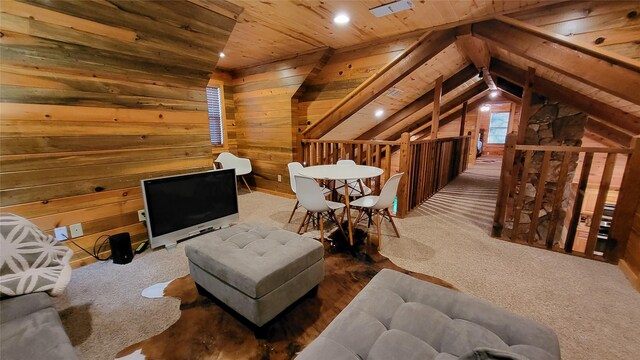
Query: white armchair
{"x": 242, "y": 165}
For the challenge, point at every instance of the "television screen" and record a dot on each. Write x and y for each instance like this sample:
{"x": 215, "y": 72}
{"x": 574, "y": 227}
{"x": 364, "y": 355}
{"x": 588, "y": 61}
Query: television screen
{"x": 180, "y": 205}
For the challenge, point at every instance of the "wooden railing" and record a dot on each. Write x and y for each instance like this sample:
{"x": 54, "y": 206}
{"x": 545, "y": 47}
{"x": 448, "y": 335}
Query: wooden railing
{"x": 519, "y": 208}
{"x": 434, "y": 163}
{"x": 428, "y": 164}
{"x": 372, "y": 153}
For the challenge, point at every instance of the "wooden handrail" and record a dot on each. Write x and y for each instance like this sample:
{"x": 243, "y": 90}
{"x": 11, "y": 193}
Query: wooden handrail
{"x": 515, "y": 186}
{"x": 559, "y": 148}
{"x": 444, "y": 159}
{"x": 355, "y": 142}
{"x": 438, "y": 139}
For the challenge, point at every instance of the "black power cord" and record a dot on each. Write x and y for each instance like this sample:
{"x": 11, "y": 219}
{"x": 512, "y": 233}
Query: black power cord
{"x": 96, "y": 251}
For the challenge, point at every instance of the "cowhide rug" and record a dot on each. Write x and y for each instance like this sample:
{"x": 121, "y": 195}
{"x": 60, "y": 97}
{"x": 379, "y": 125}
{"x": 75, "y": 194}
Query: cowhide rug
{"x": 206, "y": 330}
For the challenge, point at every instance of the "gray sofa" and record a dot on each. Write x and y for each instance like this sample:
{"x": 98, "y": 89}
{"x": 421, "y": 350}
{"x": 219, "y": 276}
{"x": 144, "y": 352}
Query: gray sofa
{"x": 30, "y": 328}
{"x": 399, "y": 317}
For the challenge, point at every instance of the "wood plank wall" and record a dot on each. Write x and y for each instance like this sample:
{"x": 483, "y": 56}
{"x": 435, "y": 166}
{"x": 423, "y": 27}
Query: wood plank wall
{"x": 266, "y": 121}
{"x": 96, "y": 97}
{"x": 230, "y": 141}
{"x": 631, "y": 261}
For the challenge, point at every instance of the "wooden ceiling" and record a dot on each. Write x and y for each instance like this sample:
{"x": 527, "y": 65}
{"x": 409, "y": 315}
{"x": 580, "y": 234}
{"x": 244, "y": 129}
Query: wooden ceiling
{"x": 610, "y": 33}
{"x": 270, "y": 30}
{"x": 446, "y": 63}
{"x": 610, "y": 25}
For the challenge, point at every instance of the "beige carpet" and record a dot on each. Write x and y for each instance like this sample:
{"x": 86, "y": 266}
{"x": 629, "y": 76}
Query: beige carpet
{"x": 591, "y": 306}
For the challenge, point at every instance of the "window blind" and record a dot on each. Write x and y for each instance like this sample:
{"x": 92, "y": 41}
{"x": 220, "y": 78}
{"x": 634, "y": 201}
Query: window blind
{"x": 215, "y": 115}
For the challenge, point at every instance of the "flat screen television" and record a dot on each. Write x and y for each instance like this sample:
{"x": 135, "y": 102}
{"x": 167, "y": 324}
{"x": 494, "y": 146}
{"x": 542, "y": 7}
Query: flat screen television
{"x": 181, "y": 206}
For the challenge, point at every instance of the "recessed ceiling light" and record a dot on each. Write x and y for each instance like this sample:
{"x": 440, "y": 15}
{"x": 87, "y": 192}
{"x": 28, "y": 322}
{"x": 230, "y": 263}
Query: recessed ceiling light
{"x": 341, "y": 19}
{"x": 379, "y": 113}
{"x": 485, "y": 108}
{"x": 495, "y": 93}
{"x": 222, "y": 54}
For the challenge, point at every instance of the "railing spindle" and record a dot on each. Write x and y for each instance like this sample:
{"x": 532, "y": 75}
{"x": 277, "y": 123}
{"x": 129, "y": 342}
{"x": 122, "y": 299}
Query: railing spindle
{"x": 605, "y": 182}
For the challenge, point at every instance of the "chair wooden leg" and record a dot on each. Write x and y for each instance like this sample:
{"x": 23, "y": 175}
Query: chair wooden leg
{"x": 303, "y": 221}
{"x": 245, "y": 184}
{"x": 379, "y": 226}
{"x": 392, "y": 222}
{"x": 293, "y": 212}
{"x": 321, "y": 230}
{"x": 359, "y": 217}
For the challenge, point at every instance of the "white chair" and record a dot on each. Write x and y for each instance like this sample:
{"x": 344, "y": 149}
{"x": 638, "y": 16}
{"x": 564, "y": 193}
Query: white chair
{"x": 354, "y": 185}
{"x": 294, "y": 169}
{"x": 242, "y": 165}
{"x": 310, "y": 197}
{"x": 379, "y": 205}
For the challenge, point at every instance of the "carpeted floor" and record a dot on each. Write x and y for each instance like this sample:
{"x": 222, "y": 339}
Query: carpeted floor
{"x": 591, "y": 305}
{"x": 208, "y": 330}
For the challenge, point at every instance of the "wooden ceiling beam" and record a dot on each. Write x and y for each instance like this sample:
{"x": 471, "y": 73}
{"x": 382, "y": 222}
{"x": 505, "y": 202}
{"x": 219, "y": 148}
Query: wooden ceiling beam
{"x": 565, "y": 95}
{"x": 509, "y": 96}
{"x": 477, "y": 51}
{"x": 614, "y": 134}
{"x": 435, "y": 115}
{"x": 425, "y": 133}
{"x": 468, "y": 94}
{"x": 564, "y": 57}
{"x": 608, "y": 56}
{"x": 413, "y": 57}
{"x": 451, "y": 83}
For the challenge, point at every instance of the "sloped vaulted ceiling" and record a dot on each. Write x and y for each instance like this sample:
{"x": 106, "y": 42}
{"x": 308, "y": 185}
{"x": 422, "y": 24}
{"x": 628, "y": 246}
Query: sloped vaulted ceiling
{"x": 269, "y": 30}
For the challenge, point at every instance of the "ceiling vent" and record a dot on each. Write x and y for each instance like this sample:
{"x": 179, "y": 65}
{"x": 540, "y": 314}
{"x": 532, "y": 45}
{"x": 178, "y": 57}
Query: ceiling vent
{"x": 392, "y": 8}
{"x": 394, "y": 92}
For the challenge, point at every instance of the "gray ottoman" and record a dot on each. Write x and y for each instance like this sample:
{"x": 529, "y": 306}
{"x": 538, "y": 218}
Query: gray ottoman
{"x": 399, "y": 317}
{"x": 257, "y": 270}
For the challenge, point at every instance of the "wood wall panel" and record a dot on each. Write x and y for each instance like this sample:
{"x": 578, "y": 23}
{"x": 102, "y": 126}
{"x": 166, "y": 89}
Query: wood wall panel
{"x": 630, "y": 264}
{"x": 266, "y": 122}
{"x": 97, "y": 96}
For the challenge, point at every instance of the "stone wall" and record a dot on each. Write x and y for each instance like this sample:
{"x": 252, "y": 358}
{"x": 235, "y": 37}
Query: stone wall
{"x": 551, "y": 123}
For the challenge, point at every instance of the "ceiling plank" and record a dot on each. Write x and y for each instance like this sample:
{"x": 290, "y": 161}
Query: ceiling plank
{"x": 472, "y": 91}
{"x": 565, "y": 95}
{"x": 603, "y": 74}
{"x": 413, "y": 57}
{"x": 451, "y": 83}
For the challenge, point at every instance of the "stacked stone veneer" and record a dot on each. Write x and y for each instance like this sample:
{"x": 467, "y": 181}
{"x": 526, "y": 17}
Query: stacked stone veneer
{"x": 551, "y": 124}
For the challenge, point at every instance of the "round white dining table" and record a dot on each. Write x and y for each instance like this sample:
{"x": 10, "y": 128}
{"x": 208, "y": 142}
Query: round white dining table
{"x": 345, "y": 173}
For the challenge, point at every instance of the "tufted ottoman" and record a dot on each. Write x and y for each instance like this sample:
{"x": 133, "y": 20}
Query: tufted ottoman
{"x": 399, "y": 317}
{"x": 257, "y": 270}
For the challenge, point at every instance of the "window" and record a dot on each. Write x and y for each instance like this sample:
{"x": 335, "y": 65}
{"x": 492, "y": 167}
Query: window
{"x": 215, "y": 114}
{"x": 498, "y": 125}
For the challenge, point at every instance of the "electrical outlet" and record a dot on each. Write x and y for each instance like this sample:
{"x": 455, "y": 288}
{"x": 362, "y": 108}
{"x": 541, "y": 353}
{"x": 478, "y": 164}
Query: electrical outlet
{"x": 76, "y": 230}
{"x": 279, "y": 178}
{"x": 142, "y": 216}
{"x": 60, "y": 233}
